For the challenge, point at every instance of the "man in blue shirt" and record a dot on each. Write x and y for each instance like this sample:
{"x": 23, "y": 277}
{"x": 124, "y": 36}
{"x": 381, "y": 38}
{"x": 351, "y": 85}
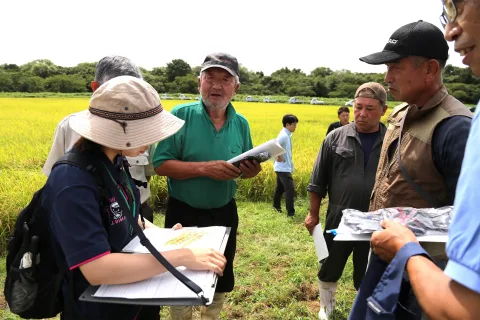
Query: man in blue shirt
{"x": 455, "y": 293}
{"x": 283, "y": 166}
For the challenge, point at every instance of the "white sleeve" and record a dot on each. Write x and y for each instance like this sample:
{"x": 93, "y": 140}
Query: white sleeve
{"x": 57, "y": 150}
{"x": 149, "y": 169}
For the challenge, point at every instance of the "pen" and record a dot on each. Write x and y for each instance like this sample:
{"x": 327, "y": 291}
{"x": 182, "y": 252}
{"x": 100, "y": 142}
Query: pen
{"x": 332, "y": 231}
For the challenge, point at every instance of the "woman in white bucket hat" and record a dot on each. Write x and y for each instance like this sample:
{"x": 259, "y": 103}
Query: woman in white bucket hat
{"x": 88, "y": 226}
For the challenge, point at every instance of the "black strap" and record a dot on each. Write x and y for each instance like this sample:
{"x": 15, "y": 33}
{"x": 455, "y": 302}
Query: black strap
{"x": 83, "y": 162}
{"x": 146, "y": 243}
{"x": 418, "y": 188}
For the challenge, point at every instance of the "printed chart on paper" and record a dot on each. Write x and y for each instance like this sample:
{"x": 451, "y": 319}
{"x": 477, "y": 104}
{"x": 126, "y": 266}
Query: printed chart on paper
{"x": 166, "y": 285}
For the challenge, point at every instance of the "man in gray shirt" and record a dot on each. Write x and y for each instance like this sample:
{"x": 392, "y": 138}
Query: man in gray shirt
{"x": 345, "y": 170}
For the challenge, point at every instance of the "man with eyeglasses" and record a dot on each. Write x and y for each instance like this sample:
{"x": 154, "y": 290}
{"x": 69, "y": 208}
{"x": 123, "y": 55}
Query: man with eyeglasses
{"x": 455, "y": 293}
{"x": 424, "y": 145}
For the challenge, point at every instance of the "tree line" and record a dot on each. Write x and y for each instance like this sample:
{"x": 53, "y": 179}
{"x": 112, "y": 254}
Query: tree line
{"x": 179, "y": 77}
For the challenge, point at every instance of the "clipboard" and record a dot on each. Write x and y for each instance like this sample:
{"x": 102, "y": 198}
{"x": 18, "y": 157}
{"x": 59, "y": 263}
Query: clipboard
{"x": 89, "y": 294}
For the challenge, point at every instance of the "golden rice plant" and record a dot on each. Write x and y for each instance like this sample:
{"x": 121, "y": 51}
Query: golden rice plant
{"x": 27, "y": 126}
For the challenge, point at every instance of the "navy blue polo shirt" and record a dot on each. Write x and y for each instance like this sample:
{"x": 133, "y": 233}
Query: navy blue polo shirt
{"x": 82, "y": 230}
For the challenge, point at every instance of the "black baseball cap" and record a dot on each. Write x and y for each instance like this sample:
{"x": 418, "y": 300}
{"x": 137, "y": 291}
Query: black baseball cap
{"x": 419, "y": 38}
{"x": 221, "y": 60}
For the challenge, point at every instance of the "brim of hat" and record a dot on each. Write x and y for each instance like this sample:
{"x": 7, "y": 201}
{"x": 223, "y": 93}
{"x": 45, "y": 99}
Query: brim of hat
{"x": 220, "y": 66}
{"x": 138, "y": 133}
{"x": 383, "y": 57}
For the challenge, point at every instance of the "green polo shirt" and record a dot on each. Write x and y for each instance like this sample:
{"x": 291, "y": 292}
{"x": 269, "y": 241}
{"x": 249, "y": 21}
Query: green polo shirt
{"x": 198, "y": 140}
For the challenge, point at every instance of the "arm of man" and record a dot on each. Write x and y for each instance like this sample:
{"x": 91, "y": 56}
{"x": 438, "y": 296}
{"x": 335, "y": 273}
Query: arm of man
{"x": 218, "y": 170}
{"x": 439, "y": 296}
{"x": 282, "y": 141}
{"x": 318, "y": 185}
{"x": 455, "y": 293}
{"x": 448, "y": 148}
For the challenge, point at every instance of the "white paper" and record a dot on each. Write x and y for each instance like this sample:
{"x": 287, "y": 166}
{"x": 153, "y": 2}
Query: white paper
{"x": 319, "y": 241}
{"x": 272, "y": 147}
{"x": 169, "y": 239}
{"x": 165, "y": 285}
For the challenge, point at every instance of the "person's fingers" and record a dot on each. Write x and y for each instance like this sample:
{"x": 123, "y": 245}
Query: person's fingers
{"x": 177, "y": 226}
{"x": 248, "y": 164}
{"x": 217, "y": 269}
{"x": 383, "y": 254}
{"x": 231, "y": 170}
{"x": 257, "y": 165}
{"x": 387, "y": 223}
{"x": 216, "y": 262}
{"x": 247, "y": 172}
{"x": 310, "y": 230}
{"x": 231, "y": 167}
{"x": 375, "y": 236}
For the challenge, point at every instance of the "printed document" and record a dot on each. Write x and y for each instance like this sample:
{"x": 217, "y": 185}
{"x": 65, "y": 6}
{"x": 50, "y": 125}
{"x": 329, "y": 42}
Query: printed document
{"x": 165, "y": 285}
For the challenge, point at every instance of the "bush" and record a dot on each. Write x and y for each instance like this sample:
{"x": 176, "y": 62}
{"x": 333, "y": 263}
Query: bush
{"x": 65, "y": 84}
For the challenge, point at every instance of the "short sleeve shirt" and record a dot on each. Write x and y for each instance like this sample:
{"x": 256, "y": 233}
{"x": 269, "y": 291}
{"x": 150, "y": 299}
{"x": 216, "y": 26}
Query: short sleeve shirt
{"x": 197, "y": 141}
{"x": 83, "y": 230}
{"x": 464, "y": 241}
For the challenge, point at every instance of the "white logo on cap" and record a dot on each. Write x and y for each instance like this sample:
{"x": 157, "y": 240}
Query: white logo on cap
{"x": 392, "y": 41}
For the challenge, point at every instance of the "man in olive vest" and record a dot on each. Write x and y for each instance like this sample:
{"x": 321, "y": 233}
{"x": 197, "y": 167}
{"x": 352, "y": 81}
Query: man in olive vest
{"x": 426, "y": 137}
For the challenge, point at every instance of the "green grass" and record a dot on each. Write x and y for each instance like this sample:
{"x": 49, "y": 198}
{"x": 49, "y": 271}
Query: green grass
{"x": 275, "y": 268}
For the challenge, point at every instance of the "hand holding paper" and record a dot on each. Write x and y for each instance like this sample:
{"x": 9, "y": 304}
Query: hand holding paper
{"x": 221, "y": 170}
{"x": 320, "y": 244}
{"x": 250, "y": 168}
{"x": 261, "y": 153}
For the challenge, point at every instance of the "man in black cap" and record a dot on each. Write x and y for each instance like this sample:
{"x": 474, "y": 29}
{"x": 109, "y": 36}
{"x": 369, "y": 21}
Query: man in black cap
{"x": 424, "y": 145}
{"x": 455, "y": 293}
{"x": 201, "y": 184}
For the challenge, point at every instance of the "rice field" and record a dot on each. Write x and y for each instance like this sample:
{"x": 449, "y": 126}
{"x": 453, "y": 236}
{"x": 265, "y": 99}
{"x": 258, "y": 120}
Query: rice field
{"x": 26, "y": 133}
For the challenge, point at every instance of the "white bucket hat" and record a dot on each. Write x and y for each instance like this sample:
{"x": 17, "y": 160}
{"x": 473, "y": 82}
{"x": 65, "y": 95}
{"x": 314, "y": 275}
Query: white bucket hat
{"x": 125, "y": 113}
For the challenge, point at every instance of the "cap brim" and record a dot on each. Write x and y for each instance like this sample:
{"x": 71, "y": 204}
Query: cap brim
{"x": 138, "y": 133}
{"x": 383, "y": 57}
{"x": 219, "y": 66}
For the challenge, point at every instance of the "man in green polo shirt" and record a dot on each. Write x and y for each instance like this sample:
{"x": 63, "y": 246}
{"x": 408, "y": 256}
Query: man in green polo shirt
{"x": 201, "y": 183}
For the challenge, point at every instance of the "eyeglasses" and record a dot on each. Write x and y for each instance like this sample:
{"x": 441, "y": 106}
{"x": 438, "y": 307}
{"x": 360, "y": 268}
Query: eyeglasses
{"x": 449, "y": 14}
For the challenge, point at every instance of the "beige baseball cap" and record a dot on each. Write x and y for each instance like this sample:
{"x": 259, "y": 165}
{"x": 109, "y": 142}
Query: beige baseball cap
{"x": 372, "y": 90}
{"x": 125, "y": 113}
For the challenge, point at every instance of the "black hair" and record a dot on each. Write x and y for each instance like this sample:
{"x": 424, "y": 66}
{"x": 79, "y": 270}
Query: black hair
{"x": 343, "y": 109}
{"x": 289, "y": 119}
{"x": 83, "y": 144}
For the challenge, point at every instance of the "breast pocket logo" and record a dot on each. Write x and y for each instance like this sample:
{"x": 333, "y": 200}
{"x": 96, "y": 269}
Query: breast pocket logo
{"x": 116, "y": 210}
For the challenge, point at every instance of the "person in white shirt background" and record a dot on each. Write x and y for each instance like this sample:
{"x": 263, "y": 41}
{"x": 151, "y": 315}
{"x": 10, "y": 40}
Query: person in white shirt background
{"x": 141, "y": 166}
{"x": 283, "y": 167}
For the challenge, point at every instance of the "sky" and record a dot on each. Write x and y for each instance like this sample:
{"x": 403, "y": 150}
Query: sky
{"x": 264, "y": 35}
